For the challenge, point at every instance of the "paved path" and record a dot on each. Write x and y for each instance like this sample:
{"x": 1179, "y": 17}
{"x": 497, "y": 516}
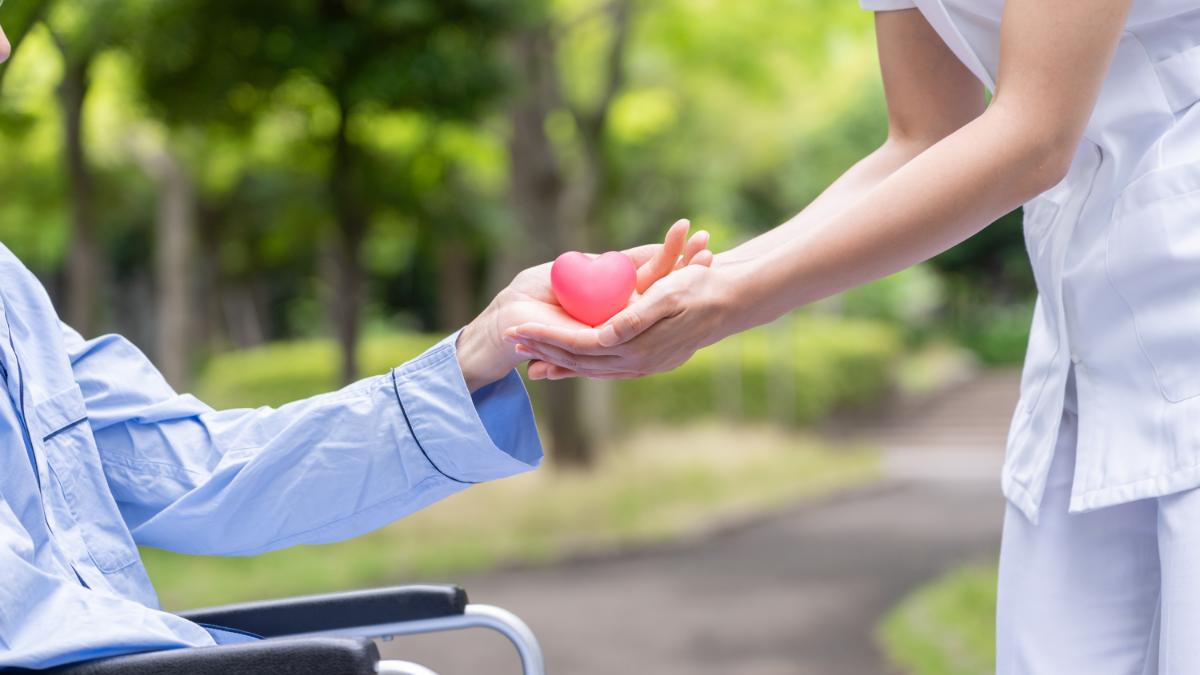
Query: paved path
{"x": 797, "y": 594}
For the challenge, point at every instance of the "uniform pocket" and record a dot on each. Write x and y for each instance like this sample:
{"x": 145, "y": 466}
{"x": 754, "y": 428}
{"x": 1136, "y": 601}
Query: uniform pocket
{"x": 70, "y": 451}
{"x": 1153, "y": 259}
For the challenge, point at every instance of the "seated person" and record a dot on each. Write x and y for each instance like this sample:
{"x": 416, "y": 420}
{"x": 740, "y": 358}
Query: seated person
{"x": 99, "y": 454}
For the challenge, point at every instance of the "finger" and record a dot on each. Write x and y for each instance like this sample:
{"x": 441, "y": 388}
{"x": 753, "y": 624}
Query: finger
{"x": 559, "y": 373}
{"x": 537, "y": 369}
{"x": 637, "y": 317}
{"x": 698, "y": 243}
{"x": 578, "y": 341}
{"x": 587, "y": 366}
{"x": 540, "y": 370}
{"x": 642, "y": 254}
{"x": 703, "y": 259}
{"x": 664, "y": 261}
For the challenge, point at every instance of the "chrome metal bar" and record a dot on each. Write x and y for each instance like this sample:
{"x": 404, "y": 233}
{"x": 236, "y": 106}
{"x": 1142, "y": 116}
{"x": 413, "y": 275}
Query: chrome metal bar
{"x": 401, "y": 668}
{"x": 476, "y": 616}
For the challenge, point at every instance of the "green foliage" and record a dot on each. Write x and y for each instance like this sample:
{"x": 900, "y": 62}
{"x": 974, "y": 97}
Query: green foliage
{"x": 217, "y": 59}
{"x": 998, "y": 334}
{"x": 834, "y": 363}
{"x": 33, "y": 211}
{"x": 908, "y": 298}
{"x": 733, "y": 114}
{"x": 947, "y": 627}
{"x": 18, "y": 18}
{"x": 793, "y": 373}
{"x": 994, "y": 260}
{"x": 990, "y": 291}
{"x": 281, "y": 372}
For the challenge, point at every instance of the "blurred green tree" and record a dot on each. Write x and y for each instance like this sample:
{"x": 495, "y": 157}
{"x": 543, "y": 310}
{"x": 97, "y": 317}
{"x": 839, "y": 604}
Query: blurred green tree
{"x": 17, "y": 19}
{"x": 558, "y": 191}
{"x": 222, "y": 59}
{"x": 630, "y": 114}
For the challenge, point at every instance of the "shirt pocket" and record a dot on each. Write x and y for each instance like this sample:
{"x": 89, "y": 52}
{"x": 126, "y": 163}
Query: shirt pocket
{"x": 70, "y": 451}
{"x": 1153, "y": 261}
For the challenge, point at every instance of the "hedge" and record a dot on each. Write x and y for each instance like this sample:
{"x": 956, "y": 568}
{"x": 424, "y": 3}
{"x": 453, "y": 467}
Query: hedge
{"x": 796, "y": 370}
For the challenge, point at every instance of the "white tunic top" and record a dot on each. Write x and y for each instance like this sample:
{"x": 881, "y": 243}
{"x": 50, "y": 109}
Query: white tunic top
{"x": 1116, "y": 254}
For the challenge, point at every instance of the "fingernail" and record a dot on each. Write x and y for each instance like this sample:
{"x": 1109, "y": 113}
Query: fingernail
{"x": 607, "y": 337}
{"x": 511, "y": 340}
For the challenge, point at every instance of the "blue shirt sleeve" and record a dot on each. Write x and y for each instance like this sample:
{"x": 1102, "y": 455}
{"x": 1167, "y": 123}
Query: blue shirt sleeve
{"x": 191, "y": 479}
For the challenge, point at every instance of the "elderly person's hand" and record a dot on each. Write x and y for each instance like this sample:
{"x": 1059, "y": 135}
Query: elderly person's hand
{"x": 485, "y": 354}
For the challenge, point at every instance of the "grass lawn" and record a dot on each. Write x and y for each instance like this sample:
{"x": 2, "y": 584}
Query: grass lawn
{"x": 947, "y": 627}
{"x": 659, "y": 485}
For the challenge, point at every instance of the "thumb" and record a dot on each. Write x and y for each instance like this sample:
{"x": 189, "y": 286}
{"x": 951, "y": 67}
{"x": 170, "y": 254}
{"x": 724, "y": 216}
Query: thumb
{"x": 636, "y": 318}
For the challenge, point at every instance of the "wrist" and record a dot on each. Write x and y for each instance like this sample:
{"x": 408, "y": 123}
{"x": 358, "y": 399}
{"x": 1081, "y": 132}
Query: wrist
{"x": 727, "y": 299}
{"x": 483, "y": 356}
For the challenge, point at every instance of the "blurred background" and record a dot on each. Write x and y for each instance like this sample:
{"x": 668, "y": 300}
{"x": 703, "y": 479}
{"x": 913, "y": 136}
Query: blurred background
{"x": 275, "y": 198}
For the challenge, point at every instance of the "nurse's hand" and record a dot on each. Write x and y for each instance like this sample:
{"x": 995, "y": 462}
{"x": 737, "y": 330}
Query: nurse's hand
{"x": 690, "y": 309}
{"x": 483, "y": 353}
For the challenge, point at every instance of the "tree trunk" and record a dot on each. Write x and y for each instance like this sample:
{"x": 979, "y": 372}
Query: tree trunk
{"x": 585, "y": 205}
{"x": 173, "y": 264}
{"x": 538, "y": 187}
{"x": 588, "y": 199}
{"x": 83, "y": 259}
{"x": 175, "y": 230}
{"x": 350, "y": 208}
{"x": 173, "y": 257}
{"x": 455, "y": 298}
{"x": 217, "y": 332}
{"x": 537, "y": 180}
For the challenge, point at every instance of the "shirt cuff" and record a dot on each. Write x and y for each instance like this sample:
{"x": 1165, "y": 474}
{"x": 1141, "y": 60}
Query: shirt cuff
{"x": 468, "y": 438}
{"x": 886, "y": 5}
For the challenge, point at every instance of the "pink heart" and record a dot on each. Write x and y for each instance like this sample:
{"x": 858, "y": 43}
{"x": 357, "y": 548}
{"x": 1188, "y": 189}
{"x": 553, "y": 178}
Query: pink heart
{"x": 593, "y": 290}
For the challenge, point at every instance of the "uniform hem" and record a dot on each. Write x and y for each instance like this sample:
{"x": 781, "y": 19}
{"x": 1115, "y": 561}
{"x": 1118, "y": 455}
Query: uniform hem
{"x": 1019, "y": 497}
{"x": 1158, "y": 486}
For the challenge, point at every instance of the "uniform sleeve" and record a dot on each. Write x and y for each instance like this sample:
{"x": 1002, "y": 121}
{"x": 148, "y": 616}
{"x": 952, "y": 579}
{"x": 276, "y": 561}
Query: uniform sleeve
{"x": 191, "y": 479}
{"x": 886, "y": 5}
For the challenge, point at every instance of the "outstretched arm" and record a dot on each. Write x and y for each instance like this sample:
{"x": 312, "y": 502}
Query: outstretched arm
{"x": 1054, "y": 55}
{"x": 930, "y": 94}
{"x": 238, "y": 482}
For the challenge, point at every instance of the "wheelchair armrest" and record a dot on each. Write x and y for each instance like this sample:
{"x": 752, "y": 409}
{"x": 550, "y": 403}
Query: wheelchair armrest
{"x": 332, "y": 611}
{"x": 285, "y": 656}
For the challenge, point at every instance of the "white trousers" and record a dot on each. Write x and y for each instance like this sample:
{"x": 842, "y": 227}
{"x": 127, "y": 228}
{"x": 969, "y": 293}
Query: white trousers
{"x": 1114, "y": 591}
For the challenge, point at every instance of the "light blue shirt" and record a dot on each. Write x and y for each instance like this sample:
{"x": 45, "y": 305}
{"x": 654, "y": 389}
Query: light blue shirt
{"x": 98, "y": 454}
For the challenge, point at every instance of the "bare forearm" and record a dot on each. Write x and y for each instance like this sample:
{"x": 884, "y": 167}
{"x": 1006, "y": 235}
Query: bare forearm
{"x": 938, "y": 199}
{"x": 858, "y": 181}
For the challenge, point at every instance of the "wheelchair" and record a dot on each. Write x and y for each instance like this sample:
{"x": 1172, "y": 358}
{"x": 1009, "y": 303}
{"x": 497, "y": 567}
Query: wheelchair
{"x": 326, "y": 634}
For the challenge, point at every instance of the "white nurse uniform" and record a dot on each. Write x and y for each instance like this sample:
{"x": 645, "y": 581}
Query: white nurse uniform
{"x": 1100, "y": 566}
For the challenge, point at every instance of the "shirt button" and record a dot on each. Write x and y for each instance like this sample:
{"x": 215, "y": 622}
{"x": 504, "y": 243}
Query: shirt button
{"x": 1075, "y": 358}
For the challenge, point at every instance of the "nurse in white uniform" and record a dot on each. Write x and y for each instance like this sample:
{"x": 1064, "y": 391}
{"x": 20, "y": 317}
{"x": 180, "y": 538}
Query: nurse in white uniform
{"x": 1093, "y": 127}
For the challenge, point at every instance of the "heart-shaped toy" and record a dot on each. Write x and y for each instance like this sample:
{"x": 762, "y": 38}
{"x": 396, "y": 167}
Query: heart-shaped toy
{"x": 593, "y": 290}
